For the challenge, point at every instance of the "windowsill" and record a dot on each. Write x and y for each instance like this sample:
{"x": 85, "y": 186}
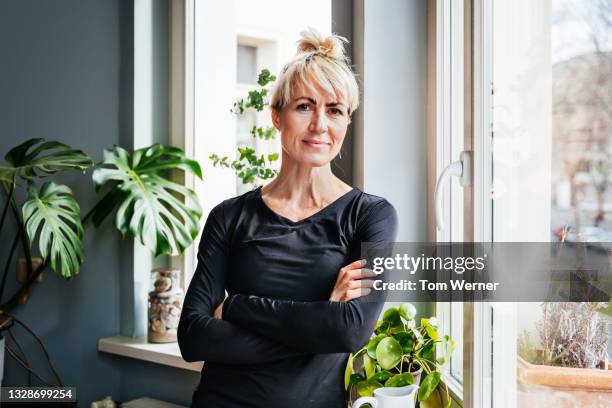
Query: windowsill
{"x": 167, "y": 354}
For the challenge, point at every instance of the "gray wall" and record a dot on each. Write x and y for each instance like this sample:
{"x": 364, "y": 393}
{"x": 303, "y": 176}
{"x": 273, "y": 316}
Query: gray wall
{"x": 65, "y": 73}
{"x": 391, "y": 150}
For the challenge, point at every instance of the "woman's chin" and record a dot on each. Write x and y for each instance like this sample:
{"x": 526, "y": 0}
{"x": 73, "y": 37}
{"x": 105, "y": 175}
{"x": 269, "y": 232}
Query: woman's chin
{"x": 314, "y": 160}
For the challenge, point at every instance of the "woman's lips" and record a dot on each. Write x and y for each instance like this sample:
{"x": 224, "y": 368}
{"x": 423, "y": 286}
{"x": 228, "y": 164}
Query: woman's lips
{"x": 315, "y": 143}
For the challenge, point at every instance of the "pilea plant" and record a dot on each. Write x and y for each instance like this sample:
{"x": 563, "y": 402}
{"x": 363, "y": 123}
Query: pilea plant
{"x": 398, "y": 353}
{"x": 249, "y": 166}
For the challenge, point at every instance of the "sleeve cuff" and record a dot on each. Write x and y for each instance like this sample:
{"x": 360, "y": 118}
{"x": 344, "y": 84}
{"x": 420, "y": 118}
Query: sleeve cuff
{"x": 227, "y": 306}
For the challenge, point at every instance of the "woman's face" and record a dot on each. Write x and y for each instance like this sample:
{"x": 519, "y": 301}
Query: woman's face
{"x": 312, "y": 125}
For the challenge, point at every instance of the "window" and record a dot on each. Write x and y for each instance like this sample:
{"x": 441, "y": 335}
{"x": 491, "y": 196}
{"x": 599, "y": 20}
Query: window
{"x": 218, "y": 49}
{"x": 541, "y": 136}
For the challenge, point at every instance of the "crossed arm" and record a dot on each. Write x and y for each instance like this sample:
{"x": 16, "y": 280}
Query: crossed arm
{"x": 257, "y": 329}
{"x": 201, "y": 336}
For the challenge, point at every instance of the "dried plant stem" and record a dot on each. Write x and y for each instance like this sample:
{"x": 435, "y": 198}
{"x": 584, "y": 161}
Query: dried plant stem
{"x": 57, "y": 377}
{"x": 25, "y": 365}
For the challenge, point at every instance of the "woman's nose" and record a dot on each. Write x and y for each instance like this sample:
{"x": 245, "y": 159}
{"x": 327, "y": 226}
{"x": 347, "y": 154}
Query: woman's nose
{"x": 318, "y": 122}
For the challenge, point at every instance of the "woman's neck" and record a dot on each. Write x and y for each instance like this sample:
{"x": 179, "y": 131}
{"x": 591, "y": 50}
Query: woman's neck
{"x": 305, "y": 186}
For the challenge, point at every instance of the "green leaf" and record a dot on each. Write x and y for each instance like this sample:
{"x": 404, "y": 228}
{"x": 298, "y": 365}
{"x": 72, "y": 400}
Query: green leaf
{"x": 371, "y": 346}
{"x": 355, "y": 379}
{"x": 370, "y": 366}
{"x": 427, "y": 351}
{"x": 348, "y": 371}
{"x": 428, "y": 385}
{"x": 407, "y": 311}
{"x": 160, "y": 213}
{"x": 265, "y": 77}
{"x": 406, "y": 340}
{"x": 381, "y": 376}
{"x": 55, "y": 215}
{"x": 391, "y": 319}
{"x": 447, "y": 346}
{"x": 400, "y": 380}
{"x": 431, "y": 327}
{"x": 7, "y": 174}
{"x": 388, "y": 353}
{"x": 378, "y": 327}
{"x": 366, "y": 388}
{"x": 36, "y": 158}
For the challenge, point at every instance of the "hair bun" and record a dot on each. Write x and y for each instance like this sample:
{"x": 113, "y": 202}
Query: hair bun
{"x": 313, "y": 43}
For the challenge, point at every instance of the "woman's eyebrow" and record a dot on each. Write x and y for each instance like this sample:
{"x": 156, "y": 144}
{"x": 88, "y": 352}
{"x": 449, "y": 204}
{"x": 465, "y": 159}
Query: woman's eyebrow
{"x": 311, "y": 100}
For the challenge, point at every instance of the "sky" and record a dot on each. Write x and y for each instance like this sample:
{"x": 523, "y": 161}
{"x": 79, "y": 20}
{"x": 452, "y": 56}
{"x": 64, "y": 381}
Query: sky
{"x": 574, "y": 24}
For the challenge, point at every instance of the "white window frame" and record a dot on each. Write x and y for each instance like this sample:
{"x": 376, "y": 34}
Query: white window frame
{"x": 493, "y": 363}
{"x": 448, "y": 119}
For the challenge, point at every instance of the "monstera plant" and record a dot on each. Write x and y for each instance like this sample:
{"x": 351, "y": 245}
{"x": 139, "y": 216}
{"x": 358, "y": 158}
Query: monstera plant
{"x": 161, "y": 214}
{"x": 136, "y": 187}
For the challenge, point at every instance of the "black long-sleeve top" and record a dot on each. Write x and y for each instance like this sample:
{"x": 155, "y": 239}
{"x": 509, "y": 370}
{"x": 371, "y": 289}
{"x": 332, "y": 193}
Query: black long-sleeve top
{"x": 281, "y": 342}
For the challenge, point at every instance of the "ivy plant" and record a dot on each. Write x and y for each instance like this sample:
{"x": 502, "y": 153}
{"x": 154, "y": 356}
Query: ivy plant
{"x": 250, "y": 167}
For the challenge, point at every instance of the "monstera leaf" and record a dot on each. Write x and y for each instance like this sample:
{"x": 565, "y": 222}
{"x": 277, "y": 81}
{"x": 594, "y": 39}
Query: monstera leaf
{"x": 162, "y": 214}
{"x": 37, "y": 158}
{"x": 55, "y": 213}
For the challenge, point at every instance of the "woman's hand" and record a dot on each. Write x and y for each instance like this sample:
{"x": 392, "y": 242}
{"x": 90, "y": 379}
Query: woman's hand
{"x": 219, "y": 309}
{"x": 351, "y": 284}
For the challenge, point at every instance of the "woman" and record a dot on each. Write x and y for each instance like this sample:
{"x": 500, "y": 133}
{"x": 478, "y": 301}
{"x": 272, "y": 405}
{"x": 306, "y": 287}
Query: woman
{"x": 288, "y": 255}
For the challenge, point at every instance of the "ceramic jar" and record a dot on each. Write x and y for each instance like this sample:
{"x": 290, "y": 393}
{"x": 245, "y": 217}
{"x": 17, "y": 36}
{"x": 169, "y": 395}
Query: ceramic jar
{"x": 165, "y": 304}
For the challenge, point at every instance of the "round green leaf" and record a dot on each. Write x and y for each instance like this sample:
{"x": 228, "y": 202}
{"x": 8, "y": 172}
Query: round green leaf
{"x": 366, "y": 388}
{"x": 388, "y": 353}
{"x": 406, "y": 340}
{"x": 392, "y": 317}
{"x": 371, "y": 347}
{"x": 428, "y": 385}
{"x": 400, "y": 380}
{"x": 407, "y": 311}
{"x": 381, "y": 376}
{"x": 427, "y": 351}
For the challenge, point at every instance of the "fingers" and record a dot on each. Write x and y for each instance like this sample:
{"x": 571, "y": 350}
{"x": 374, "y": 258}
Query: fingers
{"x": 360, "y": 274}
{"x": 352, "y": 282}
{"x": 356, "y": 293}
{"x": 352, "y": 266}
{"x": 361, "y": 283}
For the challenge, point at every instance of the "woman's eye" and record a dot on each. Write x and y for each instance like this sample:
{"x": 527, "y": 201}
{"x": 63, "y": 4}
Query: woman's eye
{"x": 336, "y": 111}
{"x": 303, "y": 106}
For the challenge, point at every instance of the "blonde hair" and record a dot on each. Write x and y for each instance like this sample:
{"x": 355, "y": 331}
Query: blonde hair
{"x": 318, "y": 61}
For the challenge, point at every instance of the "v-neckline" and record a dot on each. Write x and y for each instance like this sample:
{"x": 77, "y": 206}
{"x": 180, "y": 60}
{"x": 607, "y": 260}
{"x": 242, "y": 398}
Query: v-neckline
{"x": 306, "y": 219}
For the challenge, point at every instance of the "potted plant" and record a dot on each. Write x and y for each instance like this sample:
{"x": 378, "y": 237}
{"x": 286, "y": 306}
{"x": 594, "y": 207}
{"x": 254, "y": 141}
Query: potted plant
{"x": 569, "y": 366}
{"x": 135, "y": 186}
{"x": 400, "y": 353}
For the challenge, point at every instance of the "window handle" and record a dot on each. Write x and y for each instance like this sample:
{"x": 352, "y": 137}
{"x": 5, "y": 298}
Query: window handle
{"x": 461, "y": 168}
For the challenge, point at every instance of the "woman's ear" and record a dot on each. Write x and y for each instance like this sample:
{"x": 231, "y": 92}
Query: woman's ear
{"x": 276, "y": 118}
